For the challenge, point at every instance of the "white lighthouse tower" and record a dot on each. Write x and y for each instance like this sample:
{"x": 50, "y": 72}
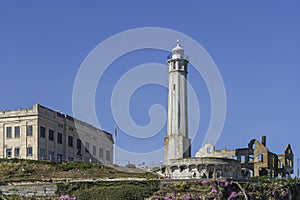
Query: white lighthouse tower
{"x": 177, "y": 143}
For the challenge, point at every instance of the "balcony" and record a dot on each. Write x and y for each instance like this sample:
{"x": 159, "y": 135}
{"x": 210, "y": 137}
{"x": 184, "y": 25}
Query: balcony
{"x": 177, "y": 56}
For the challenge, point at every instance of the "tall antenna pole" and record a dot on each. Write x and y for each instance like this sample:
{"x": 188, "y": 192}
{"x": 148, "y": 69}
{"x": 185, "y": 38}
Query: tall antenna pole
{"x": 297, "y": 167}
{"x": 115, "y": 141}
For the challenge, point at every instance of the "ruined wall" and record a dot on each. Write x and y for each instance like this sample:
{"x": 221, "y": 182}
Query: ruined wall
{"x": 256, "y": 159}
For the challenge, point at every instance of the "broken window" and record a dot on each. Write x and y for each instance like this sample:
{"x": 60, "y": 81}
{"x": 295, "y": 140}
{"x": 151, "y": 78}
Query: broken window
{"x": 260, "y": 158}
{"x": 280, "y": 165}
{"x": 208, "y": 150}
{"x": 219, "y": 174}
{"x": 243, "y": 159}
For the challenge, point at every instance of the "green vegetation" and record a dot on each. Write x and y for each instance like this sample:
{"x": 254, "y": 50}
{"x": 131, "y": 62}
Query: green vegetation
{"x": 15, "y": 170}
{"x": 110, "y": 189}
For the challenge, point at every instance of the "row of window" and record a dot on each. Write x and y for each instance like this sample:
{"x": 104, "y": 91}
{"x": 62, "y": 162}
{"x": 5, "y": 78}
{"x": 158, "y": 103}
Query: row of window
{"x": 51, "y": 138}
{"x": 17, "y": 131}
{"x": 101, "y": 151}
{"x": 17, "y": 152}
{"x": 71, "y": 142}
{"x": 51, "y": 155}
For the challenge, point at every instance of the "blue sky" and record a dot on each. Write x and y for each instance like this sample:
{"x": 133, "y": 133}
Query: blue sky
{"x": 255, "y": 45}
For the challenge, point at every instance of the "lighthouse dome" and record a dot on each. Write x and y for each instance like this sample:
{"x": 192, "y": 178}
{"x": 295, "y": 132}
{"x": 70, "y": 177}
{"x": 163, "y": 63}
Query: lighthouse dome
{"x": 178, "y": 51}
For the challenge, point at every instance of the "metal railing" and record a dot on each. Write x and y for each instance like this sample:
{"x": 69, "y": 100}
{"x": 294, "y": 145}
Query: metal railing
{"x": 177, "y": 56}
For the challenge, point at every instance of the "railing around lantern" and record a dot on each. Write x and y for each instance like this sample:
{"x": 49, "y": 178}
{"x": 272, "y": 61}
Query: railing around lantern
{"x": 177, "y": 56}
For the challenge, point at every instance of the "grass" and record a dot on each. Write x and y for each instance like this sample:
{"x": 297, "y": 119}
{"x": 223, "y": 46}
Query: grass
{"x": 109, "y": 190}
{"x": 15, "y": 170}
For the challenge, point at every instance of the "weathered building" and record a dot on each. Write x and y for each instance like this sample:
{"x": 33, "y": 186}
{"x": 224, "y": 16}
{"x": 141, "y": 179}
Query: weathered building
{"x": 256, "y": 159}
{"x": 40, "y": 133}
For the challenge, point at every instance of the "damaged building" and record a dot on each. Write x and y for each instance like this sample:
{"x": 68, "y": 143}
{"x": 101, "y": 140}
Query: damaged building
{"x": 257, "y": 160}
{"x": 254, "y": 160}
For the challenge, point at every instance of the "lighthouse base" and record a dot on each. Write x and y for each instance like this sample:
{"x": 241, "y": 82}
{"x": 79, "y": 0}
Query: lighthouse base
{"x": 176, "y": 147}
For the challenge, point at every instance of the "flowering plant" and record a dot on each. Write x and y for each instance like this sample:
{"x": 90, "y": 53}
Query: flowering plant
{"x": 66, "y": 197}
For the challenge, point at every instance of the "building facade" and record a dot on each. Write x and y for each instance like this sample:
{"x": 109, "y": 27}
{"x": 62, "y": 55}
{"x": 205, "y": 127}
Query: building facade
{"x": 40, "y": 133}
{"x": 177, "y": 143}
{"x": 256, "y": 159}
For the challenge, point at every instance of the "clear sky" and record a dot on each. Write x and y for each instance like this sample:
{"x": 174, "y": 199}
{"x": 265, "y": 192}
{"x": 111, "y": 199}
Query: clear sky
{"x": 256, "y": 46}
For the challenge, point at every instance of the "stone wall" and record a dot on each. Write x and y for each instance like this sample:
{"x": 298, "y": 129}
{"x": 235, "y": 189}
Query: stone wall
{"x": 205, "y": 167}
{"x": 30, "y": 189}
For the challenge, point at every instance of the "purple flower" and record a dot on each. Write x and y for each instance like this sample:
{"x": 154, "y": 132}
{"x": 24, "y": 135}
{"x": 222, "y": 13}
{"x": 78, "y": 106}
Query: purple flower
{"x": 233, "y": 195}
{"x": 213, "y": 189}
{"x": 273, "y": 193}
{"x": 197, "y": 197}
{"x": 66, "y": 197}
{"x": 173, "y": 195}
{"x": 203, "y": 182}
{"x": 188, "y": 197}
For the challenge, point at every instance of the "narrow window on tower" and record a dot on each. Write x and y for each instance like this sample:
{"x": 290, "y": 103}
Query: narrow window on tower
{"x": 174, "y": 86}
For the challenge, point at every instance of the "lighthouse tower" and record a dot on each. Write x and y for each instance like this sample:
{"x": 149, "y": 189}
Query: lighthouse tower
{"x": 177, "y": 143}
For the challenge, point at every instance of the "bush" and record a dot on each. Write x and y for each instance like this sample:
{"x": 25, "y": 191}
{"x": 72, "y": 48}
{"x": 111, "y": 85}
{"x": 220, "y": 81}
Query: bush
{"x": 132, "y": 166}
{"x": 110, "y": 190}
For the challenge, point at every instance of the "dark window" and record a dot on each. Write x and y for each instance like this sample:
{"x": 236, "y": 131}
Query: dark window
{"x": 8, "y": 153}
{"x": 70, "y": 141}
{"x": 70, "y": 159}
{"x": 219, "y": 174}
{"x": 17, "y": 152}
{"x": 59, "y": 138}
{"x": 8, "y": 132}
{"x": 78, "y": 144}
{"x": 42, "y": 132}
{"x": 17, "y": 131}
{"x": 94, "y": 150}
{"x": 107, "y": 155}
{"x": 87, "y": 147}
{"x": 100, "y": 153}
{"x": 59, "y": 157}
{"x": 29, "y": 130}
{"x": 42, "y": 153}
{"x": 51, "y": 135}
{"x": 51, "y": 155}
{"x": 29, "y": 151}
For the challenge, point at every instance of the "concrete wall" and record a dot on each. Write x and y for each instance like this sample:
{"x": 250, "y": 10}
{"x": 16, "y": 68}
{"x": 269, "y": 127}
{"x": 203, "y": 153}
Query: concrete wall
{"x": 22, "y": 119}
{"x": 206, "y": 167}
{"x": 48, "y": 148}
